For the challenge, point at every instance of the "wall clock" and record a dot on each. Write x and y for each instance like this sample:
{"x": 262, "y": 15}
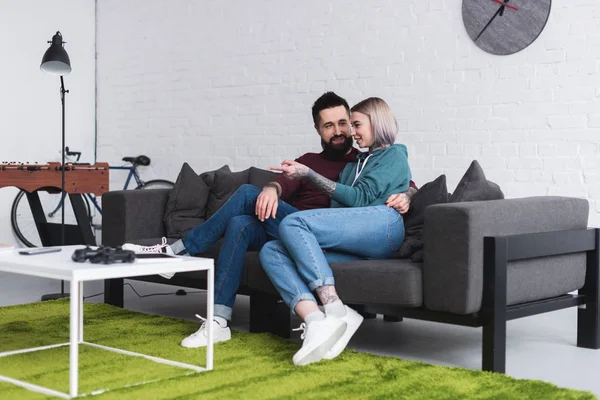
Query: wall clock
{"x": 505, "y": 27}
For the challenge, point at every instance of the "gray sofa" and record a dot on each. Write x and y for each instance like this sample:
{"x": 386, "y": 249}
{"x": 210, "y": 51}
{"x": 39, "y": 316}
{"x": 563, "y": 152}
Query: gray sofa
{"x": 484, "y": 263}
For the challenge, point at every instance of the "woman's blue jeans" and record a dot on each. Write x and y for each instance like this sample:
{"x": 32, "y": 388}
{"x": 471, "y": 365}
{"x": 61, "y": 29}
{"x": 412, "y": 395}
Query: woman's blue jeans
{"x": 298, "y": 262}
{"x": 237, "y": 224}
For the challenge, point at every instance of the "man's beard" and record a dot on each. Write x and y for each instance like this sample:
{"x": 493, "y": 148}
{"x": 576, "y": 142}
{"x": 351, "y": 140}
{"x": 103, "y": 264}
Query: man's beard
{"x": 337, "y": 150}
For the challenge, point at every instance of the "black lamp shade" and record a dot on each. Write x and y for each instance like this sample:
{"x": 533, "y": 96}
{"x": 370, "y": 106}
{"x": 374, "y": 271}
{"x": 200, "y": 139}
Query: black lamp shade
{"x": 56, "y": 60}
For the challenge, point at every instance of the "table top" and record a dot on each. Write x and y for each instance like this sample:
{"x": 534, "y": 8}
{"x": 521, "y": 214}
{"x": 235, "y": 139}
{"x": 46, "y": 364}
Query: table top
{"x": 60, "y": 266}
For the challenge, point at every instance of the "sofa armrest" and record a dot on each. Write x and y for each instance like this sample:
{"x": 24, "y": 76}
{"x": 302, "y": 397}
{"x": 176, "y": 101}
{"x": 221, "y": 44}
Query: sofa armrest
{"x": 453, "y": 243}
{"x": 133, "y": 214}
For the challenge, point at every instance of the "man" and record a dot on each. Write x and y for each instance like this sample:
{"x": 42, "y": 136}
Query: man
{"x": 251, "y": 216}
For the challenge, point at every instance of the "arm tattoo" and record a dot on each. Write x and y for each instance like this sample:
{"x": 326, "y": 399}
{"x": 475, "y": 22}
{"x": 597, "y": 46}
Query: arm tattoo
{"x": 300, "y": 172}
{"x": 411, "y": 192}
{"x": 327, "y": 294}
{"x": 325, "y": 185}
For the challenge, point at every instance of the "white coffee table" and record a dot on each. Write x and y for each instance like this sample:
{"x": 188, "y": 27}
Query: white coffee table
{"x": 60, "y": 266}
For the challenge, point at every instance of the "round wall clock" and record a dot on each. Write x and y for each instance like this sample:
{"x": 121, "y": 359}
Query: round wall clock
{"x": 505, "y": 26}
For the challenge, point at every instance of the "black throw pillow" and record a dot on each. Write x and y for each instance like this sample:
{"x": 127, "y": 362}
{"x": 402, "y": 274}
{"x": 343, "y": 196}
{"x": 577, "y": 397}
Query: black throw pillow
{"x": 474, "y": 186}
{"x": 209, "y": 176}
{"x": 434, "y": 192}
{"x": 186, "y": 206}
{"x": 225, "y": 183}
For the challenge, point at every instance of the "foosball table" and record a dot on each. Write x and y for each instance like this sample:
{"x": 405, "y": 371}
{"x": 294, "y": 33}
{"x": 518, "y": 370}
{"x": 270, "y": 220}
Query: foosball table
{"x": 80, "y": 179}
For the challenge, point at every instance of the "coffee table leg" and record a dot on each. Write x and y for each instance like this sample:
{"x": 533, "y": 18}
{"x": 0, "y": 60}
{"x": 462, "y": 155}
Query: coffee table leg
{"x": 80, "y": 312}
{"x": 210, "y": 285}
{"x": 74, "y": 347}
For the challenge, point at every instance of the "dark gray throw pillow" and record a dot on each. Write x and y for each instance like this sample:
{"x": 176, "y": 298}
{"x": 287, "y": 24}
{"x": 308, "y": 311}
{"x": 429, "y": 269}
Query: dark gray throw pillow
{"x": 209, "y": 176}
{"x": 225, "y": 183}
{"x": 434, "y": 192}
{"x": 474, "y": 186}
{"x": 186, "y": 206}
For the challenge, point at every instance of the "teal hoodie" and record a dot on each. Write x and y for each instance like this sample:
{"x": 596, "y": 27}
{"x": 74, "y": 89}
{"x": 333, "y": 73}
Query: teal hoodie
{"x": 386, "y": 172}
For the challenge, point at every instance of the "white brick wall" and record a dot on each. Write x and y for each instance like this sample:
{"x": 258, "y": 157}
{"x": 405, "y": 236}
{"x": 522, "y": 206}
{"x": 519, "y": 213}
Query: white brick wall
{"x": 215, "y": 82}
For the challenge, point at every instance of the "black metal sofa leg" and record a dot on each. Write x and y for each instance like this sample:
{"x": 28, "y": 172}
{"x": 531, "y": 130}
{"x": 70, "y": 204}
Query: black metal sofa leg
{"x": 588, "y": 315}
{"x": 493, "y": 357}
{"x": 269, "y": 314}
{"x": 494, "y": 347}
{"x": 113, "y": 292}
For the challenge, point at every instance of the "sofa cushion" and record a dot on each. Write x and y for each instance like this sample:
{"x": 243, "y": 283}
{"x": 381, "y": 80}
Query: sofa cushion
{"x": 434, "y": 192}
{"x": 209, "y": 176}
{"x": 390, "y": 282}
{"x": 186, "y": 206}
{"x": 260, "y": 177}
{"x": 475, "y": 187}
{"x": 225, "y": 183}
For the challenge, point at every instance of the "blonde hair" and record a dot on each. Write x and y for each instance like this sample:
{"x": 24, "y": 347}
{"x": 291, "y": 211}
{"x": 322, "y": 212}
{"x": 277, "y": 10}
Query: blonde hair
{"x": 383, "y": 121}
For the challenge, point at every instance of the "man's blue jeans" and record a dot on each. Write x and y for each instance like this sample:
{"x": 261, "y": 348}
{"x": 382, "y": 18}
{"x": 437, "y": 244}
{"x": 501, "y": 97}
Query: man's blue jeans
{"x": 298, "y": 262}
{"x": 237, "y": 223}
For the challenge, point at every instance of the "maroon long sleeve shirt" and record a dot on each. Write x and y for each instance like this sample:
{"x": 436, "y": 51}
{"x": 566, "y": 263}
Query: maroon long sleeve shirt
{"x": 303, "y": 194}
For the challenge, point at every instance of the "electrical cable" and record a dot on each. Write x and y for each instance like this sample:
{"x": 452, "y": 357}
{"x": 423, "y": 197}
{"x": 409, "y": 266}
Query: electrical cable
{"x": 146, "y": 295}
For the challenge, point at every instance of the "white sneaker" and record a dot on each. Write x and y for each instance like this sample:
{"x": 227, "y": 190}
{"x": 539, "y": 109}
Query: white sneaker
{"x": 157, "y": 248}
{"x": 318, "y": 338}
{"x": 353, "y": 321}
{"x": 200, "y": 337}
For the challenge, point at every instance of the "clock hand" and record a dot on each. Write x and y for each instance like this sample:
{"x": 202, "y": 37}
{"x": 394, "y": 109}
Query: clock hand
{"x": 490, "y": 21}
{"x": 507, "y": 5}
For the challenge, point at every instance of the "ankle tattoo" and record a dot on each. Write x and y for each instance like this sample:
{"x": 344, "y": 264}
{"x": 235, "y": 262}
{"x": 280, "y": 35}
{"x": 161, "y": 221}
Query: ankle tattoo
{"x": 327, "y": 294}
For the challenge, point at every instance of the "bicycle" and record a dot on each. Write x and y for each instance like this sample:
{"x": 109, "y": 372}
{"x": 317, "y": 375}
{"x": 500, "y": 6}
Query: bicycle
{"x": 21, "y": 219}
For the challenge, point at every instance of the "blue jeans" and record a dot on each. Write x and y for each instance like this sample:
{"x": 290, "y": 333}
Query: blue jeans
{"x": 298, "y": 263}
{"x": 237, "y": 224}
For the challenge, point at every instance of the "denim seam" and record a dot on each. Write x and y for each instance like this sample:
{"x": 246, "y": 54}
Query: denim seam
{"x": 372, "y": 210}
{"x": 288, "y": 273}
{"x": 303, "y": 236}
{"x": 389, "y": 233}
{"x": 237, "y": 242}
{"x": 328, "y": 281}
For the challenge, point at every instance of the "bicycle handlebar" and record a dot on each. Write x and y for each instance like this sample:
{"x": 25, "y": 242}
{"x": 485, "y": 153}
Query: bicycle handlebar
{"x": 72, "y": 153}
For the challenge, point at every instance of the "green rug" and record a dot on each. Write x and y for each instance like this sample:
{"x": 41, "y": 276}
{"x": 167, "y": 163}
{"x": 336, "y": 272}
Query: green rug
{"x": 250, "y": 366}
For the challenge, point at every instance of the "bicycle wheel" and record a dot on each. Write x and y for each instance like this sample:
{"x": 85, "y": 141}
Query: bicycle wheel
{"x": 23, "y": 224}
{"x": 157, "y": 184}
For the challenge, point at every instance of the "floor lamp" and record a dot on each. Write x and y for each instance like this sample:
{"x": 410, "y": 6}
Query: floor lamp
{"x": 56, "y": 62}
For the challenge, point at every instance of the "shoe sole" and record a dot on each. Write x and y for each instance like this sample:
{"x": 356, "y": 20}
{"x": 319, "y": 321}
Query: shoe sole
{"x": 203, "y": 345}
{"x": 316, "y": 354}
{"x": 339, "y": 346}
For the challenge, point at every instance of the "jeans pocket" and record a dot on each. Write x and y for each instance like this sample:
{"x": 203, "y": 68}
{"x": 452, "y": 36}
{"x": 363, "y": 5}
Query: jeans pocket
{"x": 395, "y": 232}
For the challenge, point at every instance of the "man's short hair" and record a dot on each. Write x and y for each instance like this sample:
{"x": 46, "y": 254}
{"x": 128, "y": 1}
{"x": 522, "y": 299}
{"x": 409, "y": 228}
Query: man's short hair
{"x": 328, "y": 100}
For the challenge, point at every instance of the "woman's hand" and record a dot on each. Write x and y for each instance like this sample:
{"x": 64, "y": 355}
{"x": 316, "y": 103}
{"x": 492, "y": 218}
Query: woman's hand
{"x": 292, "y": 169}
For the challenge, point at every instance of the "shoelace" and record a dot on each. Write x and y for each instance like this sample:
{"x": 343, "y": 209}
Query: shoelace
{"x": 157, "y": 248}
{"x": 302, "y": 328}
{"x": 202, "y": 327}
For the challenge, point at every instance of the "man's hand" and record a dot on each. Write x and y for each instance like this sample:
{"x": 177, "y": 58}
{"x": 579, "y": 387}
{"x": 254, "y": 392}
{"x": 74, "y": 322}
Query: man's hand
{"x": 399, "y": 202}
{"x": 292, "y": 169}
{"x": 266, "y": 203}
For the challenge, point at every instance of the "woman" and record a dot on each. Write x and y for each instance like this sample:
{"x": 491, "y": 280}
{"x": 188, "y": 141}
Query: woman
{"x": 358, "y": 225}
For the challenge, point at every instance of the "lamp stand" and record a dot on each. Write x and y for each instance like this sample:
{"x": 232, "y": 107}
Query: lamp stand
{"x": 62, "y": 294}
